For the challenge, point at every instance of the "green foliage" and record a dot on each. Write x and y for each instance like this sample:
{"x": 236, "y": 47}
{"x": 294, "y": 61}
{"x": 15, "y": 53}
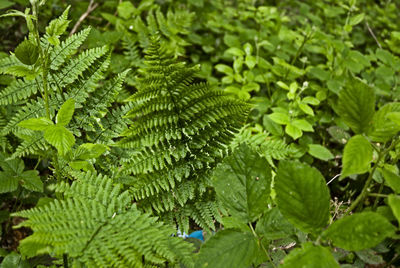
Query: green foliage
{"x": 95, "y": 223}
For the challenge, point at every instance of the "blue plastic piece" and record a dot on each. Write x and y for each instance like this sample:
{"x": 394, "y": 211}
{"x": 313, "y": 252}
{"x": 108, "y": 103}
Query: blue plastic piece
{"x": 198, "y": 235}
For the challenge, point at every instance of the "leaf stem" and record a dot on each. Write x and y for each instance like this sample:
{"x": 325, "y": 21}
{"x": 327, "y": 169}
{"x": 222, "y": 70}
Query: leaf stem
{"x": 261, "y": 245}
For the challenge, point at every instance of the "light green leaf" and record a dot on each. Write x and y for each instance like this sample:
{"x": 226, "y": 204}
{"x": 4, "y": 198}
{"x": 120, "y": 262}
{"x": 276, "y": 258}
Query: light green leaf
{"x": 306, "y": 109}
{"x": 31, "y": 181}
{"x": 357, "y": 156}
{"x": 40, "y": 123}
{"x": 126, "y": 9}
{"x": 303, "y": 125}
{"x": 320, "y": 152}
{"x": 223, "y": 68}
{"x": 310, "y": 256}
{"x": 250, "y": 61}
{"x": 89, "y": 151}
{"x": 234, "y": 51}
{"x": 302, "y": 196}
{"x": 359, "y": 231}
{"x": 273, "y": 225}
{"x": 228, "y": 248}
{"x": 59, "y": 137}
{"x": 5, "y": 4}
{"x": 293, "y": 131}
{"x": 394, "y": 203}
{"x": 7, "y": 183}
{"x": 80, "y": 164}
{"x": 65, "y": 113}
{"x": 280, "y": 118}
{"x": 27, "y": 53}
{"x": 356, "y": 19}
{"x": 392, "y": 179}
{"x": 384, "y": 125}
{"x": 58, "y": 26}
{"x": 357, "y": 105}
{"x": 248, "y": 48}
{"x": 242, "y": 182}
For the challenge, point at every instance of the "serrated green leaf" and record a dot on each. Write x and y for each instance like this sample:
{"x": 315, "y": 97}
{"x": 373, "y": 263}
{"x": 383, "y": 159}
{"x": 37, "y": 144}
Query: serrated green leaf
{"x": 273, "y": 225}
{"x": 392, "y": 179}
{"x": 384, "y": 125}
{"x": 27, "y": 53}
{"x": 357, "y": 156}
{"x": 320, "y": 152}
{"x": 59, "y": 137}
{"x": 310, "y": 256}
{"x": 357, "y": 105}
{"x": 31, "y": 181}
{"x": 394, "y": 203}
{"x": 359, "y": 231}
{"x": 58, "y": 26}
{"x": 228, "y": 248}
{"x": 242, "y": 182}
{"x": 65, "y": 113}
{"x": 302, "y": 196}
{"x": 7, "y": 183}
{"x": 40, "y": 123}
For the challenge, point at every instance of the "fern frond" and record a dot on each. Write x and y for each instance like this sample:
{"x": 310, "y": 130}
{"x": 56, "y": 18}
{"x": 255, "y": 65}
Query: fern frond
{"x": 98, "y": 226}
{"x": 7, "y": 62}
{"x": 67, "y": 48}
{"x": 19, "y": 89}
{"x": 180, "y": 131}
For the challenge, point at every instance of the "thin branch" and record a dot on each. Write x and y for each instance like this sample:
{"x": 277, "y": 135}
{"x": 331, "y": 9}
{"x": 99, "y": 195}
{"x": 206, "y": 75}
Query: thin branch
{"x": 373, "y": 35}
{"x": 92, "y": 6}
{"x": 336, "y": 176}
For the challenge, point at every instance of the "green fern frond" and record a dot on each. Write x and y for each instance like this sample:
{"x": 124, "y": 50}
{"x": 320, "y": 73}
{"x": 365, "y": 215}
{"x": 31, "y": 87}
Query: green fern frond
{"x": 180, "y": 131}
{"x": 97, "y": 225}
{"x": 7, "y": 62}
{"x": 19, "y": 89}
{"x": 67, "y": 48}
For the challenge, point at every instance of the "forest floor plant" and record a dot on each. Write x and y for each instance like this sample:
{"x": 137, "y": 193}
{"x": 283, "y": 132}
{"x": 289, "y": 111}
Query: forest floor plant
{"x": 102, "y": 165}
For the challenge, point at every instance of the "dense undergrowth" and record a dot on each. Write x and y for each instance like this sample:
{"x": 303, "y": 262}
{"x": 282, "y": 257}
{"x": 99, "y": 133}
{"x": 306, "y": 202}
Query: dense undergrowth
{"x": 273, "y": 126}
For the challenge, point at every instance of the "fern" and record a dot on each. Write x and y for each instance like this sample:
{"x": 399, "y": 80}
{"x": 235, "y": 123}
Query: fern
{"x": 97, "y": 225}
{"x": 180, "y": 131}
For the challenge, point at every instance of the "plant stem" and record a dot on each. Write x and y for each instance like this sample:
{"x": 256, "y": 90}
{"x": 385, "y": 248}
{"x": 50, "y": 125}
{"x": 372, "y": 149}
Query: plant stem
{"x": 378, "y": 195}
{"x": 261, "y": 245}
{"x": 65, "y": 260}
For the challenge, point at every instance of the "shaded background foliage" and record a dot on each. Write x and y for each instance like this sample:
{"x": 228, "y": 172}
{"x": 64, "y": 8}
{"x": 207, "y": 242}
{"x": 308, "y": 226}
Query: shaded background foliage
{"x": 290, "y": 59}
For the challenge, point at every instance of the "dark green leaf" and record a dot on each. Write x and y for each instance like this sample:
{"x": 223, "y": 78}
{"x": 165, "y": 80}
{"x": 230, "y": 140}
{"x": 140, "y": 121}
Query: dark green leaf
{"x": 242, "y": 182}
{"x": 228, "y": 248}
{"x": 357, "y": 156}
{"x": 302, "y": 195}
{"x": 31, "y": 181}
{"x": 383, "y": 128}
{"x": 359, "y": 231}
{"x": 392, "y": 179}
{"x": 357, "y": 105}
{"x": 310, "y": 256}
{"x": 273, "y": 225}
{"x": 27, "y": 52}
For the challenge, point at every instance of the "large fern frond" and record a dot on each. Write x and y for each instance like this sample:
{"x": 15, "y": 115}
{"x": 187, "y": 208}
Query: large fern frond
{"x": 180, "y": 131}
{"x": 97, "y": 225}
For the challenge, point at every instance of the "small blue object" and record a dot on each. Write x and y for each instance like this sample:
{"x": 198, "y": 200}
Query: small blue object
{"x": 198, "y": 235}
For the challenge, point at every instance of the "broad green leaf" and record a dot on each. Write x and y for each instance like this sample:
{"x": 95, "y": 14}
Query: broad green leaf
{"x": 235, "y": 223}
{"x": 394, "y": 203}
{"x": 303, "y": 125}
{"x": 273, "y": 225}
{"x": 81, "y": 164}
{"x": 320, "y": 152}
{"x": 89, "y": 151}
{"x": 394, "y": 117}
{"x": 359, "y": 231}
{"x": 248, "y": 48}
{"x": 242, "y": 182}
{"x": 306, "y": 109}
{"x": 223, "y": 68}
{"x": 369, "y": 256}
{"x": 234, "y": 51}
{"x": 310, "y": 256}
{"x": 14, "y": 260}
{"x": 392, "y": 179}
{"x": 250, "y": 61}
{"x": 27, "y": 53}
{"x": 357, "y": 105}
{"x": 280, "y": 118}
{"x": 7, "y": 183}
{"x": 228, "y": 248}
{"x": 65, "y": 113}
{"x": 302, "y": 195}
{"x": 357, "y": 156}
{"x": 30, "y": 180}
{"x": 293, "y": 131}
{"x": 40, "y": 123}
{"x": 59, "y": 137}
{"x": 383, "y": 126}
{"x": 126, "y": 9}
{"x": 356, "y": 19}
{"x": 5, "y": 4}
